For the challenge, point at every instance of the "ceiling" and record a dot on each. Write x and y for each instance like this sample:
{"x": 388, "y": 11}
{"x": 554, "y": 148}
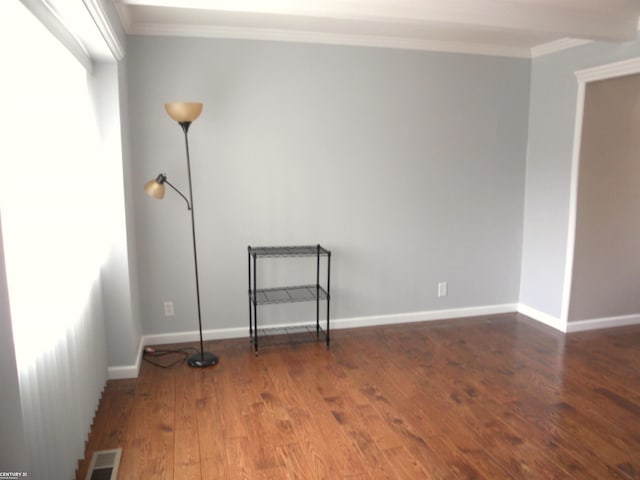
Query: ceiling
{"x": 517, "y": 28}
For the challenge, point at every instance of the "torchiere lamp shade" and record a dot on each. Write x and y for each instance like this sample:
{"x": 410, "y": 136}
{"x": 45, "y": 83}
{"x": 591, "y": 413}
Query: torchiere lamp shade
{"x": 183, "y": 111}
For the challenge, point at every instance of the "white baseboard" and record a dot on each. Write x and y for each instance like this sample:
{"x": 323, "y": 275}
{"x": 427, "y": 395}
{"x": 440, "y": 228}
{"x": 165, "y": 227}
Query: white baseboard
{"x": 426, "y": 316}
{"x": 542, "y": 317}
{"x": 131, "y": 371}
{"x": 606, "y": 322}
{"x": 579, "y": 325}
{"x": 127, "y": 371}
{"x": 194, "y": 336}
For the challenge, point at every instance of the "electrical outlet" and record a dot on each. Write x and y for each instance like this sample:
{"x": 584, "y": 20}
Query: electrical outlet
{"x": 168, "y": 309}
{"x": 442, "y": 289}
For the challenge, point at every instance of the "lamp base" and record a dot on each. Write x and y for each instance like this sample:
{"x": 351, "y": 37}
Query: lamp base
{"x": 202, "y": 360}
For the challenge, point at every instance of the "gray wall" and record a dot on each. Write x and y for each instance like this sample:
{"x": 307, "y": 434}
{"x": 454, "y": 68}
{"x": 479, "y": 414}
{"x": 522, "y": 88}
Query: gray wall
{"x": 408, "y": 165}
{"x": 606, "y": 267}
{"x": 119, "y": 284}
{"x": 108, "y": 85}
{"x": 130, "y": 221}
{"x": 548, "y": 174}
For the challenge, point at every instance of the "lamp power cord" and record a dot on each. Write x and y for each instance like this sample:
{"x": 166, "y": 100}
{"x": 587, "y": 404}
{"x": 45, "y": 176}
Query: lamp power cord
{"x": 150, "y": 354}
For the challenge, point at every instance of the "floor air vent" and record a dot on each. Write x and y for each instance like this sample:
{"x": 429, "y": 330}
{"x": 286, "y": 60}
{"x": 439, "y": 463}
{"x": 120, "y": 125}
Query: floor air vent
{"x": 104, "y": 465}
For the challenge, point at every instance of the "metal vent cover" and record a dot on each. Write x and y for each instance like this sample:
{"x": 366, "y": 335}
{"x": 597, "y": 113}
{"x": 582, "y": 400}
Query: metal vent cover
{"x": 104, "y": 465}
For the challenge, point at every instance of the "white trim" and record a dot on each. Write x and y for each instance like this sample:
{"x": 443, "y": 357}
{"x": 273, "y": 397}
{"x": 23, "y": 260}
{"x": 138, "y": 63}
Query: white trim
{"x": 425, "y": 316}
{"x": 127, "y": 371}
{"x": 610, "y": 70}
{"x": 542, "y": 317}
{"x": 606, "y": 322}
{"x": 104, "y": 25}
{"x": 573, "y": 207}
{"x": 193, "y": 336}
{"x": 556, "y": 46}
{"x": 601, "y": 72}
{"x": 52, "y": 21}
{"x": 248, "y": 33}
{"x": 132, "y": 371}
{"x": 125, "y": 17}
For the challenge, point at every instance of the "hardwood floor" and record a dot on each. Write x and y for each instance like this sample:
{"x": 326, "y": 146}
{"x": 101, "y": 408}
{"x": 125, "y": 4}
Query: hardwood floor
{"x": 493, "y": 397}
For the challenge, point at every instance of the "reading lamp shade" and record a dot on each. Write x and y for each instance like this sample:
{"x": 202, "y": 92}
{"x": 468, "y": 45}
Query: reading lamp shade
{"x": 183, "y": 111}
{"x": 154, "y": 189}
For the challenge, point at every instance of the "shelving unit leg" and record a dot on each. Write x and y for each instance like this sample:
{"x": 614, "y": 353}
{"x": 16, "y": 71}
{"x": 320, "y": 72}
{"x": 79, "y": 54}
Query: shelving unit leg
{"x": 255, "y": 308}
{"x": 249, "y": 293}
{"x": 328, "y": 290}
{"x": 318, "y": 292}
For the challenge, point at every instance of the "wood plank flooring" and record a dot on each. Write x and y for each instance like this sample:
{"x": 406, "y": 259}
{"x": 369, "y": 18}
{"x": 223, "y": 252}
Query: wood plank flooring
{"x": 494, "y": 397}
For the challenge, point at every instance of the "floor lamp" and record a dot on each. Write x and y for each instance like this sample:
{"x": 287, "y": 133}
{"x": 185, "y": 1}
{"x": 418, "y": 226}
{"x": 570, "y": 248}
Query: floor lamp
{"x": 185, "y": 113}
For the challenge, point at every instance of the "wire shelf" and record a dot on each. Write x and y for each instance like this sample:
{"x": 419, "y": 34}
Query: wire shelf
{"x": 291, "y": 335}
{"x": 300, "y": 293}
{"x": 296, "y": 251}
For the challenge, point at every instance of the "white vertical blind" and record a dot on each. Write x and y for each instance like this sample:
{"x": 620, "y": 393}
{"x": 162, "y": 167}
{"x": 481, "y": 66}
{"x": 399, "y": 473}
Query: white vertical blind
{"x": 51, "y": 201}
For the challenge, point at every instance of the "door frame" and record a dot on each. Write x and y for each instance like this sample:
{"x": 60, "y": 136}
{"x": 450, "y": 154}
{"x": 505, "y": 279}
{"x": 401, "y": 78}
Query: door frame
{"x": 585, "y": 76}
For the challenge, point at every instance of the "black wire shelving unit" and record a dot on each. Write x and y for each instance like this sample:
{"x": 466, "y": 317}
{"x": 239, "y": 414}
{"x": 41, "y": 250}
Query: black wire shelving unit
{"x": 288, "y": 294}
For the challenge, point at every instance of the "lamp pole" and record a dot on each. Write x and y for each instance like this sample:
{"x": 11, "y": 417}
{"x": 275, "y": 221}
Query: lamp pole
{"x": 202, "y": 359}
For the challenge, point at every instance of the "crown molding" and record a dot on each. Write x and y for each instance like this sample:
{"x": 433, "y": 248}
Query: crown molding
{"x": 103, "y": 23}
{"x": 560, "y": 45}
{"x": 557, "y": 46}
{"x": 297, "y": 36}
{"x": 611, "y": 70}
{"x": 133, "y": 13}
{"x": 44, "y": 12}
{"x": 125, "y": 16}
